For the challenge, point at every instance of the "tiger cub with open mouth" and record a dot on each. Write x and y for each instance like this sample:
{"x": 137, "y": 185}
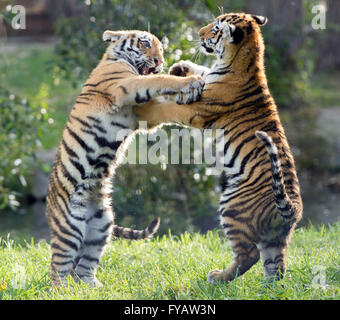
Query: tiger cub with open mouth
{"x": 79, "y": 210}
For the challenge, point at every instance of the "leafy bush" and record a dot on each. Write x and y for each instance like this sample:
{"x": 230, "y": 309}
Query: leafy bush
{"x": 20, "y": 128}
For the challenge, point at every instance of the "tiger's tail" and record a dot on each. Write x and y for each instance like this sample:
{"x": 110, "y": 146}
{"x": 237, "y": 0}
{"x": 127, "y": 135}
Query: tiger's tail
{"x": 284, "y": 204}
{"x": 127, "y": 233}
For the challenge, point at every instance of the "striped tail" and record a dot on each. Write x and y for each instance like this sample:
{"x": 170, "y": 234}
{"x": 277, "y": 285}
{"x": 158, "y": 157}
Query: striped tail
{"x": 286, "y": 207}
{"x": 127, "y": 233}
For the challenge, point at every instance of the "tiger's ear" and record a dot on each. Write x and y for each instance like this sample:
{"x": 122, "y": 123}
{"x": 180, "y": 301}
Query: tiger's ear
{"x": 260, "y": 20}
{"x": 111, "y": 36}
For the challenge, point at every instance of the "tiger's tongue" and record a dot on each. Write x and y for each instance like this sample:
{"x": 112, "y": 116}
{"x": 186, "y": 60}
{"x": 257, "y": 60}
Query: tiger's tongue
{"x": 145, "y": 71}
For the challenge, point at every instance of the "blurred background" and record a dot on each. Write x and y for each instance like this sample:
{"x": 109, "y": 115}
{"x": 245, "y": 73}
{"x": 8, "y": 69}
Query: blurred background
{"x": 43, "y": 66}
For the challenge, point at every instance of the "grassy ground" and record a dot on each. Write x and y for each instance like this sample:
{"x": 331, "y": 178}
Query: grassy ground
{"x": 176, "y": 268}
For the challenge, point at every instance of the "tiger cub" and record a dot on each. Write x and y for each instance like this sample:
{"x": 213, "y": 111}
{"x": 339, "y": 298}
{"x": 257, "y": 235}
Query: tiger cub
{"x": 79, "y": 210}
{"x": 260, "y": 203}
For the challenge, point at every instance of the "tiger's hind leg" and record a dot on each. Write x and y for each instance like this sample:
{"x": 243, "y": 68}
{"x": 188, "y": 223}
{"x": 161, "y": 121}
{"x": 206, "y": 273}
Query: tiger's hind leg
{"x": 97, "y": 236}
{"x": 245, "y": 252}
{"x": 68, "y": 226}
{"x": 273, "y": 257}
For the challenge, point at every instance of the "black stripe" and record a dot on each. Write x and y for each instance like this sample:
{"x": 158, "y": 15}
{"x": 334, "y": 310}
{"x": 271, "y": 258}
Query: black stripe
{"x": 248, "y": 201}
{"x": 96, "y": 242}
{"x": 237, "y": 151}
{"x": 56, "y": 246}
{"x": 116, "y": 124}
{"x": 116, "y": 72}
{"x": 88, "y": 258}
{"x": 106, "y": 96}
{"x": 83, "y": 266}
{"x": 249, "y": 187}
{"x": 221, "y": 72}
{"x": 64, "y": 214}
{"x": 263, "y": 115}
{"x": 99, "y": 128}
{"x": 251, "y": 63}
{"x": 62, "y": 229}
{"x": 61, "y": 255}
{"x": 103, "y": 142}
{"x": 123, "y": 45}
{"x": 237, "y": 232}
{"x": 63, "y": 263}
{"x": 67, "y": 174}
{"x": 55, "y": 175}
{"x": 249, "y": 87}
{"x": 79, "y": 140}
{"x": 68, "y": 150}
{"x": 105, "y": 227}
{"x": 231, "y": 213}
{"x": 80, "y": 168}
{"x": 84, "y": 123}
{"x": 101, "y": 81}
{"x": 140, "y": 99}
{"x": 123, "y": 89}
{"x": 85, "y": 94}
{"x": 81, "y": 102}
{"x": 94, "y": 119}
{"x": 66, "y": 241}
{"x": 257, "y": 91}
{"x": 243, "y": 165}
{"x": 250, "y": 80}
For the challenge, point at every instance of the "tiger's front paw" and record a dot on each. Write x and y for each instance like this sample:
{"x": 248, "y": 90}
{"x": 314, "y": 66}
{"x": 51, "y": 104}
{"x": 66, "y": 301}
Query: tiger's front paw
{"x": 182, "y": 69}
{"x": 215, "y": 276}
{"x": 191, "y": 92}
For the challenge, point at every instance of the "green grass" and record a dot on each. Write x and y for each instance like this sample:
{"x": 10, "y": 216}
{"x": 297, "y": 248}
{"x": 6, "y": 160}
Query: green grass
{"x": 176, "y": 268}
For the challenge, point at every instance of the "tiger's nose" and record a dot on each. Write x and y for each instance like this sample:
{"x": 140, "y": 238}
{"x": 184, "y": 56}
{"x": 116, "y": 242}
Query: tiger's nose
{"x": 157, "y": 61}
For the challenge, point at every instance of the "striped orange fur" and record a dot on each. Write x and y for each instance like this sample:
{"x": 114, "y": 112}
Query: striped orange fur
{"x": 79, "y": 210}
{"x": 260, "y": 204}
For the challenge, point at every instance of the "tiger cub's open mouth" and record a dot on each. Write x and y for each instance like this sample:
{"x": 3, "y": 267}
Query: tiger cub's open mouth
{"x": 147, "y": 71}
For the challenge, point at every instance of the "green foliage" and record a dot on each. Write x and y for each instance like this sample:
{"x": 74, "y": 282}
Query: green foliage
{"x": 20, "y": 129}
{"x": 82, "y": 46}
{"x": 174, "y": 267}
{"x": 5, "y": 11}
{"x": 181, "y": 195}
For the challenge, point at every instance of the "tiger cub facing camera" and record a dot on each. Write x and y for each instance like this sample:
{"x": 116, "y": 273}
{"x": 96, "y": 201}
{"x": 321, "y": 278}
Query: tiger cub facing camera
{"x": 78, "y": 209}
